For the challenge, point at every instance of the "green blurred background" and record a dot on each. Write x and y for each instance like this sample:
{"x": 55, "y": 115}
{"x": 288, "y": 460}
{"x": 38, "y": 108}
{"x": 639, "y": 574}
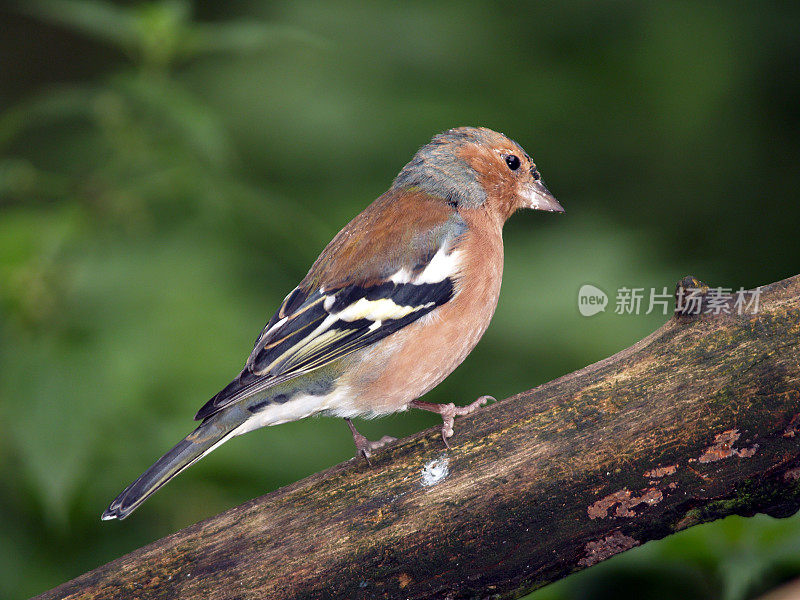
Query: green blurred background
{"x": 169, "y": 170}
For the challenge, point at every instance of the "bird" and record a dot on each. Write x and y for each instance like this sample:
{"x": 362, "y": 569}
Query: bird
{"x": 393, "y": 304}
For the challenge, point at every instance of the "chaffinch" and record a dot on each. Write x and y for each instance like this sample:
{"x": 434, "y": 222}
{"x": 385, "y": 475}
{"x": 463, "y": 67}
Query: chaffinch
{"x": 390, "y": 308}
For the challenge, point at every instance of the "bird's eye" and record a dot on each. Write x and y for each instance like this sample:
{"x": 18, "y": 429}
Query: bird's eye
{"x": 512, "y": 162}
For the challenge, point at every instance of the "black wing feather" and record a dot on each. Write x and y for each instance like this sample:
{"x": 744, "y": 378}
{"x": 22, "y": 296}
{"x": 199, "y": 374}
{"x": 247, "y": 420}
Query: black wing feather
{"x": 284, "y": 351}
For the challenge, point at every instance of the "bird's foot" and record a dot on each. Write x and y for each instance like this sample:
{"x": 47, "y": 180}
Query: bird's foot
{"x": 364, "y": 447}
{"x": 450, "y": 411}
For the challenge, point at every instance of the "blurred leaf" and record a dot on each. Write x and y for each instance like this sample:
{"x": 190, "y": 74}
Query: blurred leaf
{"x": 63, "y": 104}
{"x": 105, "y": 21}
{"x": 244, "y": 37}
{"x": 149, "y": 32}
{"x": 159, "y": 33}
{"x": 20, "y": 178}
{"x": 178, "y": 113}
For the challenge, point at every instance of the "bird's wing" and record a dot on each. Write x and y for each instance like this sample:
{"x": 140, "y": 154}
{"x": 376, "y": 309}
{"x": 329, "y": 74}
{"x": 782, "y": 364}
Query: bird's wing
{"x": 390, "y": 266}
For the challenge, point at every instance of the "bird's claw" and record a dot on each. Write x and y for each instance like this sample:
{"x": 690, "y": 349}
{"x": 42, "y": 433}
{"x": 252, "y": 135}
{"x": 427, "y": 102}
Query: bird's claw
{"x": 450, "y": 411}
{"x": 364, "y": 447}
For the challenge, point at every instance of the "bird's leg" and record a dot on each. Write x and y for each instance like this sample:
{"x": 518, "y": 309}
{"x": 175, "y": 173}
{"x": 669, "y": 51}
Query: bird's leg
{"x": 449, "y": 412}
{"x": 364, "y": 447}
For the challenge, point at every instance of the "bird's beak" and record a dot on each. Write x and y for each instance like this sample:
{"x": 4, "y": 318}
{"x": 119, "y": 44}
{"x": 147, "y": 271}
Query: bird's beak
{"x": 538, "y": 197}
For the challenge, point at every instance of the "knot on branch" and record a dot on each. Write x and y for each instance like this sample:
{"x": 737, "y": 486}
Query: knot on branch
{"x": 691, "y": 297}
{"x": 694, "y": 299}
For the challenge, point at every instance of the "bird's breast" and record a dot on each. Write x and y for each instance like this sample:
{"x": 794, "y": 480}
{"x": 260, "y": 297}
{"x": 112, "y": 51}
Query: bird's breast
{"x": 412, "y": 361}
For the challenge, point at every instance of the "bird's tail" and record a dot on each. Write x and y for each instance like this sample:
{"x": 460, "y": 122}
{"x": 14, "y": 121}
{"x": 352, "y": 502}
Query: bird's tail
{"x": 208, "y": 436}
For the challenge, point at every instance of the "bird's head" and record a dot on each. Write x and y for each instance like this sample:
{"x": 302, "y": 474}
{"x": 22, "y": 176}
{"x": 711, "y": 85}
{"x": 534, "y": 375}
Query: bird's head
{"x": 475, "y": 167}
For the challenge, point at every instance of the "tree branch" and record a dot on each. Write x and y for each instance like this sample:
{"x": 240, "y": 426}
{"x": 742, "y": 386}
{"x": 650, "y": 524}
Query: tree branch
{"x": 695, "y": 422}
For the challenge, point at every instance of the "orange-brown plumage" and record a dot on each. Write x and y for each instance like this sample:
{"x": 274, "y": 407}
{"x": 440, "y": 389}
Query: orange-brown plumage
{"x": 378, "y": 240}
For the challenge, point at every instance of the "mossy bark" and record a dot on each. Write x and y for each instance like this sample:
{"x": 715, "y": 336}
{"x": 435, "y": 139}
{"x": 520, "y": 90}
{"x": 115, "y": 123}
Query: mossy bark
{"x": 698, "y": 421}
